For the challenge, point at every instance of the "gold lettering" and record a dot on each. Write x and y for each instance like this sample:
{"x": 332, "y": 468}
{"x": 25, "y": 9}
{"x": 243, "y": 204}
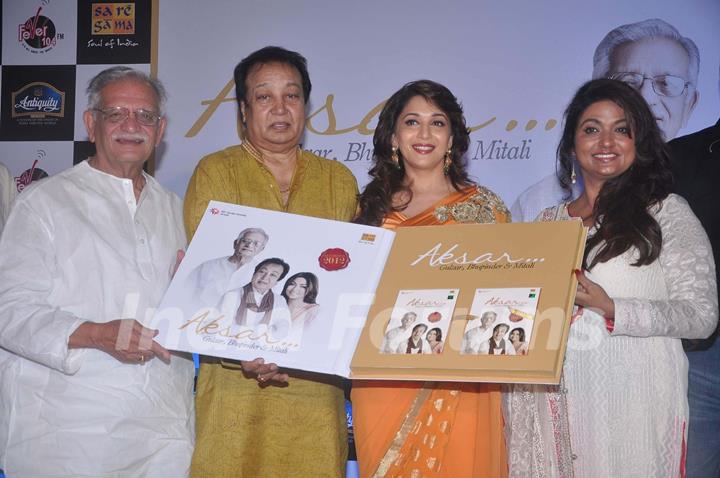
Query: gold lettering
{"x": 482, "y": 125}
{"x": 332, "y": 121}
{"x": 250, "y": 334}
{"x": 211, "y": 327}
{"x": 212, "y": 105}
{"x": 332, "y": 130}
{"x": 363, "y": 127}
{"x": 199, "y": 321}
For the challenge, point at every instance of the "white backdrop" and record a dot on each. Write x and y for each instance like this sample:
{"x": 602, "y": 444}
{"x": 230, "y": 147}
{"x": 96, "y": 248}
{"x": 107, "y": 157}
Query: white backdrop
{"x": 512, "y": 61}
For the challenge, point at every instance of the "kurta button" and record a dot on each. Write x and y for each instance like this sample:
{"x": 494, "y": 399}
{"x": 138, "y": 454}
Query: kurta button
{"x": 142, "y": 241}
{"x": 573, "y": 456}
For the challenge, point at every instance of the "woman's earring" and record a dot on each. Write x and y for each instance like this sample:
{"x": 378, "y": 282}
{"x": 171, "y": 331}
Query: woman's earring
{"x": 395, "y": 158}
{"x": 573, "y": 176}
{"x": 447, "y": 162}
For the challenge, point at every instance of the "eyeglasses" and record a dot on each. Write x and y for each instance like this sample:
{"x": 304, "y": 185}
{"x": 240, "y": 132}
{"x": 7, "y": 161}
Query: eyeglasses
{"x": 248, "y": 242}
{"x": 663, "y": 85}
{"x": 118, "y": 114}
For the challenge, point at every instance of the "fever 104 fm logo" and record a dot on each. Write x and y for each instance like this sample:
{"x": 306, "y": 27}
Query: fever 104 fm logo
{"x": 38, "y": 34}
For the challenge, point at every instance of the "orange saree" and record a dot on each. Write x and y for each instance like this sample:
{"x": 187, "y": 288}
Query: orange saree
{"x": 433, "y": 429}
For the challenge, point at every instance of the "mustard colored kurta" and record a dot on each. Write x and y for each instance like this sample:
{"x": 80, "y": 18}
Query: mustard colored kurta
{"x": 243, "y": 429}
{"x": 433, "y": 429}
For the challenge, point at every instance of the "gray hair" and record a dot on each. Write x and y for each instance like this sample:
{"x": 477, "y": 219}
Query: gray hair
{"x": 119, "y": 73}
{"x": 250, "y": 230}
{"x": 632, "y": 32}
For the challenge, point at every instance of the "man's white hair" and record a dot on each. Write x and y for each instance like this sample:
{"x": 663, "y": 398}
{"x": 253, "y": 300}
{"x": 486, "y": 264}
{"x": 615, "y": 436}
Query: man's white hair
{"x": 632, "y": 32}
{"x": 120, "y": 73}
{"x": 250, "y": 230}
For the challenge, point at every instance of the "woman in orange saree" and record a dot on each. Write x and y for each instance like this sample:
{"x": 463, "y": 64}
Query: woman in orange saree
{"x": 430, "y": 429}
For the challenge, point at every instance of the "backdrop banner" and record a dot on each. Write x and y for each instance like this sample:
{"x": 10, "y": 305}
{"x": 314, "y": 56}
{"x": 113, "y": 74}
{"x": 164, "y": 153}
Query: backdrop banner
{"x": 513, "y": 65}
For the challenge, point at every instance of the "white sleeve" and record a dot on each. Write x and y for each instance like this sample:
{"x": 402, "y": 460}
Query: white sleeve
{"x": 7, "y": 194}
{"x": 29, "y": 326}
{"x": 691, "y": 308}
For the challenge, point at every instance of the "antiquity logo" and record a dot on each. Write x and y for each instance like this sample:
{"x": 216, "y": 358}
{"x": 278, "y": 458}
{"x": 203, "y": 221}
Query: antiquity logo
{"x": 39, "y": 102}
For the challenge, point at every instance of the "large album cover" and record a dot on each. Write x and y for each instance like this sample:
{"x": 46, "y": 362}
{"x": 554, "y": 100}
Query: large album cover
{"x": 291, "y": 289}
{"x": 473, "y": 303}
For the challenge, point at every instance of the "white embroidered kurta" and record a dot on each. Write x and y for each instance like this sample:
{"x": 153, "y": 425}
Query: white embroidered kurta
{"x": 78, "y": 248}
{"x": 626, "y": 391}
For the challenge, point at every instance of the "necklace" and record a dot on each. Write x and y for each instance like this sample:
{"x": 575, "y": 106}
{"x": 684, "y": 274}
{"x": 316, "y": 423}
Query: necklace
{"x": 248, "y": 146}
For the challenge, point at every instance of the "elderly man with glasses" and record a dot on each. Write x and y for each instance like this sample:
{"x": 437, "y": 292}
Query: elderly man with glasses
{"x": 218, "y": 282}
{"x": 661, "y": 64}
{"x": 84, "y": 258}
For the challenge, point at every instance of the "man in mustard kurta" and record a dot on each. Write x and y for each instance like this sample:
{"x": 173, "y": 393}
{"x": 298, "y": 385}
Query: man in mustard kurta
{"x": 256, "y": 421}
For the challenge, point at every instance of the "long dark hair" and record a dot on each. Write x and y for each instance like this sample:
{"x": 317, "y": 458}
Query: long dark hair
{"x": 621, "y": 209}
{"x": 520, "y": 331}
{"x": 387, "y": 179}
{"x": 438, "y": 334}
{"x": 311, "y": 290}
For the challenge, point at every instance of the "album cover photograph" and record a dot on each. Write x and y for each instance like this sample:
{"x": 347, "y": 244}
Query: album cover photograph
{"x": 419, "y": 321}
{"x": 500, "y": 321}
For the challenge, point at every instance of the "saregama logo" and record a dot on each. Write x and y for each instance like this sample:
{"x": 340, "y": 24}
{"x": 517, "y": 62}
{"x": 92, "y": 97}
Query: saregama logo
{"x": 38, "y": 100}
{"x": 113, "y": 18}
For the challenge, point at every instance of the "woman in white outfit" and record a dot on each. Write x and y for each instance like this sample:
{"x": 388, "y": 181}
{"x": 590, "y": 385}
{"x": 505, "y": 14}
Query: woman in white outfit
{"x": 648, "y": 280}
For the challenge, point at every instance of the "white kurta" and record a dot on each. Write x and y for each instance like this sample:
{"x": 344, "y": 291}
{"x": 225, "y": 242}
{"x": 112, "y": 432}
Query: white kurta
{"x": 77, "y": 247}
{"x": 626, "y": 391}
{"x": 474, "y": 338}
{"x": 217, "y": 283}
{"x": 7, "y": 194}
{"x": 393, "y": 338}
